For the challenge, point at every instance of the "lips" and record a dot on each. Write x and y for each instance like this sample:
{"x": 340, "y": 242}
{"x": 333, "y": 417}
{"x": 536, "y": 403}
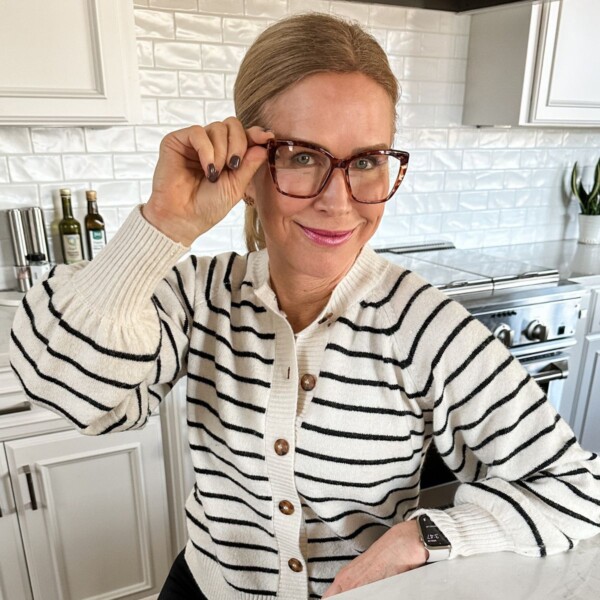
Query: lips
{"x": 325, "y": 237}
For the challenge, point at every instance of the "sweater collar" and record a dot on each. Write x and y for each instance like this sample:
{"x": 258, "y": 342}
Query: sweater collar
{"x": 354, "y": 287}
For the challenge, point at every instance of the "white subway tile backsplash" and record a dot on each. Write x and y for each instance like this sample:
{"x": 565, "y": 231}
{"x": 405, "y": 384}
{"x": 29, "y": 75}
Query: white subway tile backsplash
{"x": 242, "y": 31}
{"x": 222, "y": 58}
{"x": 423, "y": 20}
{"x": 148, "y": 138}
{"x": 88, "y": 166}
{"x": 351, "y": 10}
{"x": 57, "y": 139}
{"x": 272, "y": 9}
{"x": 116, "y": 193}
{"x": 145, "y": 54}
{"x": 154, "y": 24}
{"x": 476, "y": 187}
{"x": 227, "y": 7}
{"x": 158, "y": 83}
{"x": 14, "y": 140}
{"x": 198, "y": 28}
{"x": 135, "y": 166}
{"x": 174, "y": 4}
{"x": 110, "y": 139}
{"x": 35, "y": 168}
{"x": 202, "y": 85}
{"x": 387, "y": 16}
{"x": 218, "y": 110}
{"x": 185, "y": 112}
{"x": 177, "y": 55}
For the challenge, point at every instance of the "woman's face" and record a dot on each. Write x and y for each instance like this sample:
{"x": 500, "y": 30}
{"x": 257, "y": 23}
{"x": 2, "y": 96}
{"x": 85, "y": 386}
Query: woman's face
{"x": 343, "y": 113}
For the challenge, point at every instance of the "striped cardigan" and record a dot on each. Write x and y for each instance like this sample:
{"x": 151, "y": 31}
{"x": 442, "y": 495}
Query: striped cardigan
{"x": 295, "y": 476}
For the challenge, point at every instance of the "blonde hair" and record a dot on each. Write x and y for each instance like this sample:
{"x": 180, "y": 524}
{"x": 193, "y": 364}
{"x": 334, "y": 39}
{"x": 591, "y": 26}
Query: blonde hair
{"x": 290, "y": 50}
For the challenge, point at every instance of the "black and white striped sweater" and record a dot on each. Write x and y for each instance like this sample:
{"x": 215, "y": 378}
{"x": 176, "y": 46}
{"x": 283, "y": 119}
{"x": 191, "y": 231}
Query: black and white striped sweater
{"x": 396, "y": 365}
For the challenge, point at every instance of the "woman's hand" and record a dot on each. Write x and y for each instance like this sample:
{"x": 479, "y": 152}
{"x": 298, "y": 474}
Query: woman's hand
{"x": 202, "y": 172}
{"x": 398, "y": 550}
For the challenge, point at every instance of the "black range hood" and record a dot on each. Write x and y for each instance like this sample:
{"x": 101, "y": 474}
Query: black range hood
{"x": 450, "y": 5}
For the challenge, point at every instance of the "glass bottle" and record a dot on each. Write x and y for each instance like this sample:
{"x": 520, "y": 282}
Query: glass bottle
{"x": 69, "y": 230}
{"x": 95, "y": 231}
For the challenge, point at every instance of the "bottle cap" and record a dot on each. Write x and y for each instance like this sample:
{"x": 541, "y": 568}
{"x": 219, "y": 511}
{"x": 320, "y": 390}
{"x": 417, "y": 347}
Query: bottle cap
{"x": 65, "y": 192}
{"x": 90, "y": 194}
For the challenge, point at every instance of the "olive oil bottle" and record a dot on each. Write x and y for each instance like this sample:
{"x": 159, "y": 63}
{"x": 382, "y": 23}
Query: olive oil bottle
{"x": 95, "y": 231}
{"x": 69, "y": 230}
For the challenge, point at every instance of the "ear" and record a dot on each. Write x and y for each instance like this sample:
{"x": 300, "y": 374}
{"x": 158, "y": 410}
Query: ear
{"x": 251, "y": 187}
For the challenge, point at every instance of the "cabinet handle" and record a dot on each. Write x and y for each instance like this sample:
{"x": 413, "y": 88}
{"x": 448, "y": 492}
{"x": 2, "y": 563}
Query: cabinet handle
{"x": 30, "y": 487}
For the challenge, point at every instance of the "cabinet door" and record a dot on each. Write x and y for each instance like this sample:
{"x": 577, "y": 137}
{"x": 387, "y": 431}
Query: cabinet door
{"x": 589, "y": 394}
{"x": 14, "y": 580}
{"x": 68, "y": 62}
{"x": 93, "y": 513}
{"x": 566, "y": 84}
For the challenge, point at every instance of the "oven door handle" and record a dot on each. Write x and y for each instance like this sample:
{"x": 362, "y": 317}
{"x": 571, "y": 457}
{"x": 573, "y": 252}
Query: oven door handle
{"x": 556, "y": 370}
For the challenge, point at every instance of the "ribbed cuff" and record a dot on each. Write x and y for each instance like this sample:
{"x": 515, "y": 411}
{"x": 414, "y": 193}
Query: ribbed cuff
{"x": 469, "y": 529}
{"x": 123, "y": 277}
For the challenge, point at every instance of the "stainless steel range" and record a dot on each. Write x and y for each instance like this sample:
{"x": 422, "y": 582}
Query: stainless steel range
{"x": 526, "y": 306}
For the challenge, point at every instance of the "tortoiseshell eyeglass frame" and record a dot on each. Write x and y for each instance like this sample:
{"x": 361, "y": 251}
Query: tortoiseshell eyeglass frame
{"x": 335, "y": 163}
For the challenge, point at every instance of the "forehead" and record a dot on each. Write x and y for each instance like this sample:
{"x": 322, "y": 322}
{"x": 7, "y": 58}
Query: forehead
{"x": 333, "y": 110}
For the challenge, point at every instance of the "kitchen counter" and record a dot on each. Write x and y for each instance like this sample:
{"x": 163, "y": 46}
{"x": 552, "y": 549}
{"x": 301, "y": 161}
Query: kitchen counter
{"x": 498, "y": 576}
{"x": 573, "y": 260}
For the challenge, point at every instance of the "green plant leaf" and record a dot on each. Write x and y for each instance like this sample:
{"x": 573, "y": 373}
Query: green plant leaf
{"x": 574, "y": 182}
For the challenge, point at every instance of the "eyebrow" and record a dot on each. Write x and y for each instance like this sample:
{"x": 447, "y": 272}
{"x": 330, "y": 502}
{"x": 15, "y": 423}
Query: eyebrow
{"x": 381, "y": 146}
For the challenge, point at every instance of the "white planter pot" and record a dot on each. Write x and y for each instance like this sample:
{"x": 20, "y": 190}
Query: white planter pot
{"x": 589, "y": 229}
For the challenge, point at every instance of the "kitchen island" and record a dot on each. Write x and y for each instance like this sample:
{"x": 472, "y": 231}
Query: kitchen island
{"x": 498, "y": 576}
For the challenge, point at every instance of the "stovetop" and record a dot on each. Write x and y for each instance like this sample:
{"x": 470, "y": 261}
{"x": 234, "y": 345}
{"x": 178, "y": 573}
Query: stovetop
{"x": 457, "y": 271}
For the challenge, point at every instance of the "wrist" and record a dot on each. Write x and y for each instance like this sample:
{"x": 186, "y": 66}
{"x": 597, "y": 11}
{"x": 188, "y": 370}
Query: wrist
{"x": 182, "y": 234}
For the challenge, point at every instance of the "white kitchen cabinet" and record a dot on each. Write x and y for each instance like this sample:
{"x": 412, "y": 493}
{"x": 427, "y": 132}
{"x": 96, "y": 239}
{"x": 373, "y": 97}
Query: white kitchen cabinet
{"x": 535, "y": 64}
{"x": 71, "y": 62}
{"x": 589, "y": 394}
{"x": 92, "y": 513}
{"x": 14, "y": 579}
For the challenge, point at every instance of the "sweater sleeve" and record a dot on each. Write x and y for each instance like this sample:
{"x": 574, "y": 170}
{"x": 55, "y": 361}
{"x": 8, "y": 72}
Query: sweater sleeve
{"x": 100, "y": 343}
{"x": 527, "y": 486}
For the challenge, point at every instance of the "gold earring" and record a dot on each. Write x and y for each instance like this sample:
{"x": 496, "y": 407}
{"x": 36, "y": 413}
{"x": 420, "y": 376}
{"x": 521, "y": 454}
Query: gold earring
{"x": 248, "y": 200}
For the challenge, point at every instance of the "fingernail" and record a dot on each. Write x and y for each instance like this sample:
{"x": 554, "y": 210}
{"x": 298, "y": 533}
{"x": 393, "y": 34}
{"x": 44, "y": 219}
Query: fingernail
{"x": 234, "y": 163}
{"x": 213, "y": 175}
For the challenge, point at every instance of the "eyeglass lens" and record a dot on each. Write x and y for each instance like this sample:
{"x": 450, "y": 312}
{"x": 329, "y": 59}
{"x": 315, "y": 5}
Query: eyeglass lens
{"x": 301, "y": 171}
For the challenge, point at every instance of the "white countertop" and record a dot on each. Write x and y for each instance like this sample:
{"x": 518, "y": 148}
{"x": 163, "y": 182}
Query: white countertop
{"x": 573, "y": 575}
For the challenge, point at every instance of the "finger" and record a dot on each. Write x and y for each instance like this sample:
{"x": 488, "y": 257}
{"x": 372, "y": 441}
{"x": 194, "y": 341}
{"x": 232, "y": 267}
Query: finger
{"x": 217, "y": 133}
{"x": 251, "y": 162}
{"x": 192, "y": 143}
{"x": 237, "y": 143}
{"x": 258, "y": 135}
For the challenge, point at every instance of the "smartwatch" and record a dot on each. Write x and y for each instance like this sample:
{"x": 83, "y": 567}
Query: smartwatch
{"x": 433, "y": 539}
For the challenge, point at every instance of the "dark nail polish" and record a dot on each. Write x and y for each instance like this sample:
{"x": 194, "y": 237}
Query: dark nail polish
{"x": 234, "y": 163}
{"x": 213, "y": 174}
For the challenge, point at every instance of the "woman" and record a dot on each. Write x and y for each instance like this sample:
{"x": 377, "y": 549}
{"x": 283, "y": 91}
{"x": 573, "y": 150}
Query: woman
{"x": 318, "y": 374}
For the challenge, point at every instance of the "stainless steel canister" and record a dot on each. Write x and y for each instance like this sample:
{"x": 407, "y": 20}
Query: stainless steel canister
{"x": 34, "y": 218}
{"x": 17, "y": 236}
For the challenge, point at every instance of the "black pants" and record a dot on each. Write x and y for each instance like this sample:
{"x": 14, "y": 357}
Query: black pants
{"x": 180, "y": 583}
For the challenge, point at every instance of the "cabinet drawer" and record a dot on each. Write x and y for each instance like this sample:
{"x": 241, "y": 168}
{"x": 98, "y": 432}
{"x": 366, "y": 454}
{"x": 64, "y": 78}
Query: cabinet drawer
{"x": 594, "y": 326}
{"x": 12, "y": 398}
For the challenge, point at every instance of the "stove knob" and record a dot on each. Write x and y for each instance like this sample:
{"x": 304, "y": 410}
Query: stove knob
{"x": 505, "y": 334}
{"x": 536, "y": 331}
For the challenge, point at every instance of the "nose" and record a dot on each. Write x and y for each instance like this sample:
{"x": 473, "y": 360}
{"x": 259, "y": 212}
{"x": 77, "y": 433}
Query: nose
{"x": 335, "y": 198}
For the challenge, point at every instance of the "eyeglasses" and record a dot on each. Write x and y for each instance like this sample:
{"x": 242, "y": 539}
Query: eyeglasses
{"x": 302, "y": 170}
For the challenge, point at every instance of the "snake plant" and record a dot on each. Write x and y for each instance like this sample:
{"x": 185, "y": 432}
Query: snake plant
{"x": 589, "y": 201}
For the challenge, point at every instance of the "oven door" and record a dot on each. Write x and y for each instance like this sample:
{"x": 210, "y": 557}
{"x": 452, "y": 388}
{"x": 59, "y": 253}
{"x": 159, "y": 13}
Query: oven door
{"x": 549, "y": 370}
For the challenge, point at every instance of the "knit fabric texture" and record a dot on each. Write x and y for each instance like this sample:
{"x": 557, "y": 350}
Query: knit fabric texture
{"x": 306, "y": 448}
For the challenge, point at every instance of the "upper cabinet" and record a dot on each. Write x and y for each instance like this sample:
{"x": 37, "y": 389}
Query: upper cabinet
{"x": 535, "y": 64}
{"x": 71, "y": 62}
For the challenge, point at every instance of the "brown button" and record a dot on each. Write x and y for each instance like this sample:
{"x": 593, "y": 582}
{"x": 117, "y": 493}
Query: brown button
{"x": 286, "y": 507}
{"x": 295, "y": 565}
{"x": 308, "y": 382}
{"x": 281, "y": 447}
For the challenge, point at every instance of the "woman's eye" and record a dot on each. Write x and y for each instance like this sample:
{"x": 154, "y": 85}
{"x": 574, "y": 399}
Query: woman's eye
{"x": 365, "y": 163}
{"x": 303, "y": 159}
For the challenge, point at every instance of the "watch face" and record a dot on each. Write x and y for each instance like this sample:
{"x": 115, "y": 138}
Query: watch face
{"x": 432, "y": 536}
